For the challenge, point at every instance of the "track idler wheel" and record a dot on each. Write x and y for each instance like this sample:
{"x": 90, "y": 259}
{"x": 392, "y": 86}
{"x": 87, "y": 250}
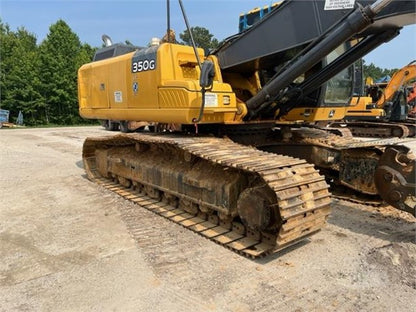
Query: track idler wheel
{"x": 395, "y": 178}
{"x": 255, "y": 208}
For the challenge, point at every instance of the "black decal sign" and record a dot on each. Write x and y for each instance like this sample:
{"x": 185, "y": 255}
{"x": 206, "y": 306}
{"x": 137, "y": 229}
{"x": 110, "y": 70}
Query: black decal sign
{"x": 144, "y": 60}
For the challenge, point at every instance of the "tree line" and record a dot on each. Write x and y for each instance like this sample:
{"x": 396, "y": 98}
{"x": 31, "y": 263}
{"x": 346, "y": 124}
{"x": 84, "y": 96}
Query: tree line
{"x": 376, "y": 72}
{"x": 40, "y": 80}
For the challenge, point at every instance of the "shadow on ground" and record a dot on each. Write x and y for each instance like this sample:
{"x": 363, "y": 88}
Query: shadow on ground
{"x": 372, "y": 223}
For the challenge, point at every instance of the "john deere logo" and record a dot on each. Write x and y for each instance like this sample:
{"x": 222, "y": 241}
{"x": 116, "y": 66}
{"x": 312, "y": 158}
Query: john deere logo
{"x": 135, "y": 87}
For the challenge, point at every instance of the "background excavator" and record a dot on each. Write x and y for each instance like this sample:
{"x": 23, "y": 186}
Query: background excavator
{"x": 225, "y": 158}
{"x": 383, "y": 110}
{"x": 411, "y": 100}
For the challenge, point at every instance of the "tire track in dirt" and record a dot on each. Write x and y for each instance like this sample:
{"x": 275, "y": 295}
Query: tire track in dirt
{"x": 167, "y": 253}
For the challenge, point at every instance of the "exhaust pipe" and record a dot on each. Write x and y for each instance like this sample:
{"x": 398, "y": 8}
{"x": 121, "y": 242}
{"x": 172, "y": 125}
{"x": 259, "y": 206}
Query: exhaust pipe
{"x": 107, "y": 40}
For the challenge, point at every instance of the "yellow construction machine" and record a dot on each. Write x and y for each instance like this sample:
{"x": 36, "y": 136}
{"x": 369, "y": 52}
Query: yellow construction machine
{"x": 221, "y": 160}
{"x": 384, "y": 108}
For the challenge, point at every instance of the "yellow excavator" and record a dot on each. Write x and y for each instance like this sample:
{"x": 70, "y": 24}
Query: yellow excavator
{"x": 383, "y": 110}
{"x": 226, "y": 155}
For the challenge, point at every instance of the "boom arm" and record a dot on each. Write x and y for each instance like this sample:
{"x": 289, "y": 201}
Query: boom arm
{"x": 400, "y": 77}
{"x": 271, "y": 42}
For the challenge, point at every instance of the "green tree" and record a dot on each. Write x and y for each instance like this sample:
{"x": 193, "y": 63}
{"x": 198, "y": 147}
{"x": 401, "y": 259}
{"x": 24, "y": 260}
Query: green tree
{"x": 41, "y": 81}
{"x": 19, "y": 81}
{"x": 7, "y": 42}
{"x": 61, "y": 53}
{"x": 85, "y": 55}
{"x": 376, "y": 72}
{"x": 202, "y": 37}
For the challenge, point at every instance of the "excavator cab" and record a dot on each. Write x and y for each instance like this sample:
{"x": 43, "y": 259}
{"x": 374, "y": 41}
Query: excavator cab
{"x": 328, "y": 101}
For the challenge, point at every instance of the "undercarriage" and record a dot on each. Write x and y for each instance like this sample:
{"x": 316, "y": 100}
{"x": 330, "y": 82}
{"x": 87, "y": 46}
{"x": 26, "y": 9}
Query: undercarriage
{"x": 370, "y": 171}
{"x": 250, "y": 201}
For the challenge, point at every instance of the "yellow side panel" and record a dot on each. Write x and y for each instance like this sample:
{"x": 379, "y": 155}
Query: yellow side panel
{"x": 116, "y": 86}
{"x": 110, "y": 84}
{"x": 87, "y": 77}
{"x": 158, "y": 84}
{"x": 316, "y": 114}
{"x": 360, "y": 107}
{"x": 174, "y": 98}
{"x": 359, "y": 103}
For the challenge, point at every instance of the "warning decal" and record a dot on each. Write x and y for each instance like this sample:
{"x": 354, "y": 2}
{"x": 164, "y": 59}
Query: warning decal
{"x": 118, "y": 97}
{"x": 339, "y": 4}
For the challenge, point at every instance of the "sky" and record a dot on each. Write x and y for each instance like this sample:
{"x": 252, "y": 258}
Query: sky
{"x": 139, "y": 20}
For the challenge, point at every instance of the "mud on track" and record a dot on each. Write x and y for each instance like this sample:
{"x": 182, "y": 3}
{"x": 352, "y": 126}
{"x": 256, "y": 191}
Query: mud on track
{"x": 65, "y": 244}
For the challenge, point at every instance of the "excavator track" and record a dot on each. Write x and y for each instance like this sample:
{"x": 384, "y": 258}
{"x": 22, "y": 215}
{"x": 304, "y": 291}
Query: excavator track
{"x": 342, "y": 193}
{"x": 252, "y": 202}
{"x": 378, "y": 129}
{"x": 364, "y": 170}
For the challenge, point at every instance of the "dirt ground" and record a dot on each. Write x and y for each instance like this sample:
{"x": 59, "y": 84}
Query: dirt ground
{"x": 64, "y": 246}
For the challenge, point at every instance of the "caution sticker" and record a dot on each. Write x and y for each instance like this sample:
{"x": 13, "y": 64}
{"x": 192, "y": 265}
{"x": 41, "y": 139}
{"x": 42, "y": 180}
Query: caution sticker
{"x": 339, "y": 4}
{"x": 118, "y": 97}
{"x": 211, "y": 100}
